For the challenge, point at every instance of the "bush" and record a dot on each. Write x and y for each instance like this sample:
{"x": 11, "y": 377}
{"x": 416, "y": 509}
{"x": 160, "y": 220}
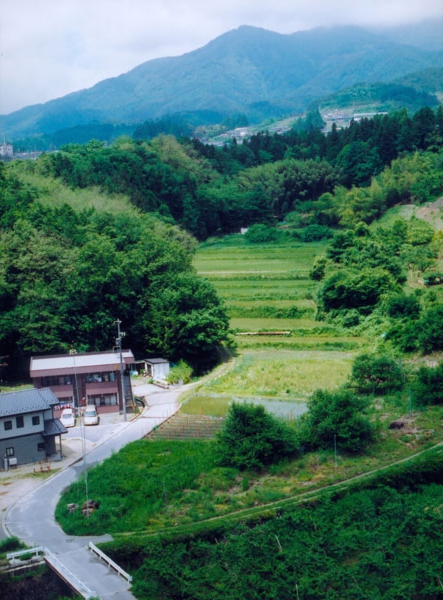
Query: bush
{"x": 427, "y": 388}
{"x": 318, "y": 269}
{"x": 346, "y": 290}
{"x": 181, "y": 372}
{"x": 315, "y": 233}
{"x": 376, "y": 374}
{"x": 336, "y": 417}
{"x": 10, "y": 545}
{"x": 402, "y": 306}
{"x": 251, "y": 438}
{"x": 430, "y": 330}
{"x": 261, "y": 234}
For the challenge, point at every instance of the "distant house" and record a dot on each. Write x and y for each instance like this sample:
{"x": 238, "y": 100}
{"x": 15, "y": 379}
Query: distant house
{"x": 28, "y": 427}
{"x": 88, "y": 378}
{"x": 157, "y": 368}
{"x": 6, "y": 150}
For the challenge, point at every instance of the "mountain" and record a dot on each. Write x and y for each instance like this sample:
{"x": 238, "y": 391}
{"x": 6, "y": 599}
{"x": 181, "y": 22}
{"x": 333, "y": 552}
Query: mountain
{"x": 412, "y": 91}
{"x": 235, "y": 73}
{"x": 426, "y": 34}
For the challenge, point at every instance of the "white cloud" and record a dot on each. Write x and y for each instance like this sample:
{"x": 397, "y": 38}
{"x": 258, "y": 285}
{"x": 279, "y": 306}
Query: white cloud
{"x": 52, "y": 47}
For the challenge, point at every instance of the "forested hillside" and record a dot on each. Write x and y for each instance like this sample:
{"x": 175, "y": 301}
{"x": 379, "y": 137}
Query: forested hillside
{"x": 66, "y": 275}
{"x": 98, "y": 265}
{"x": 303, "y": 174}
{"x": 93, "y": 233}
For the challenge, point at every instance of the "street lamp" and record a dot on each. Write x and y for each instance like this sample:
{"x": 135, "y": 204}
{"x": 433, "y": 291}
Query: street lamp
{"x": 118, "y": 341}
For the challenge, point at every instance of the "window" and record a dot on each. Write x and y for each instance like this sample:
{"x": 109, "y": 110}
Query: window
{"x": 41, "y": 447}
{"x": 36, "y": 420}
{"x": 7, "y": 425}
{"x": 100, "y": 377}
{"x": 53, "y": 380}
{"x": 9, "y": 451}
{"x": 20, "y": 422}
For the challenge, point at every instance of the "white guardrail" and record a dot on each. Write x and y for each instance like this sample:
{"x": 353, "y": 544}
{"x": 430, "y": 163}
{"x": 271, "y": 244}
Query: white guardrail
{"x": 38, "y": 550}
{"x": 110, "y": 562}
{"x": 68, "y": 576}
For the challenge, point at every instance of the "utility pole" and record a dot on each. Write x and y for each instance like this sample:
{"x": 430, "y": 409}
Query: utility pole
{"x": 120, "y": 334}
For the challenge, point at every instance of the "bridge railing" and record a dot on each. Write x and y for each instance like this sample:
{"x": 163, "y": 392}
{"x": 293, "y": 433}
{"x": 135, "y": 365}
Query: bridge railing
{"x": 110, "y": 562}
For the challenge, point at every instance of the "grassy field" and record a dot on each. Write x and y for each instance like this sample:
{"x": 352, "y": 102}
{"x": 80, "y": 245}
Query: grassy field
{"x": 284, "y": 354}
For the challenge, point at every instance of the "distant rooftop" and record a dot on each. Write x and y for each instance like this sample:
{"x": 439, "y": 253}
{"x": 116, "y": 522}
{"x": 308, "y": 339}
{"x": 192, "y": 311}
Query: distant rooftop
{"x": 67, "y": 364}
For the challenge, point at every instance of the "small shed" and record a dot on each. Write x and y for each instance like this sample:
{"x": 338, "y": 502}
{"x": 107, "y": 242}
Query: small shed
{"x": 157, "y": 368}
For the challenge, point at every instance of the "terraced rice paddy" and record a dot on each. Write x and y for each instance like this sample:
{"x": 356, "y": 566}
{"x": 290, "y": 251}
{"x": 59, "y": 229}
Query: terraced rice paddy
{"x": 284, "y": 353}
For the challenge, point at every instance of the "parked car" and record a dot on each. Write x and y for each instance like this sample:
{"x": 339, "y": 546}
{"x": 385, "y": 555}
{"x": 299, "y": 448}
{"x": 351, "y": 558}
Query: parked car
{"x": 68, "y": 417}
{"x": 90, "y": 416}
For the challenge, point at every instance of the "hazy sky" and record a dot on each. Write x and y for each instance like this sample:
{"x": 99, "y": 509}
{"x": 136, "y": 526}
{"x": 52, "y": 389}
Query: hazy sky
{"x": 49, "y": 48}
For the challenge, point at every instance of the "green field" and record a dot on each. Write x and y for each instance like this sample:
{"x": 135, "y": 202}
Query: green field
{"x": 284, "y": 354}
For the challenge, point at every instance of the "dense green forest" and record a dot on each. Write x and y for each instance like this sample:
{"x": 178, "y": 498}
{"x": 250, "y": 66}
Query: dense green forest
{"x": 69, "y": 270}
{"x": 67, "y": 274}
{"x": 213, "y": 190}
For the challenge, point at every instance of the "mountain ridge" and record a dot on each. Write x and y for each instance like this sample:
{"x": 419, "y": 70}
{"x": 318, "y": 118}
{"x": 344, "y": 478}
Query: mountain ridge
{"x": 240, "y": 68}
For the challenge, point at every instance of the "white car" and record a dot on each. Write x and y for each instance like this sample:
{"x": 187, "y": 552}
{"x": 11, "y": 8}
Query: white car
{"x": 68, "y": 417}
{"x": 90, "y": 416}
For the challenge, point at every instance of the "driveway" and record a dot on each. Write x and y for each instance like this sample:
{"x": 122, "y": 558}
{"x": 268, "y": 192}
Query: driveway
{"x": 30, "y": 514}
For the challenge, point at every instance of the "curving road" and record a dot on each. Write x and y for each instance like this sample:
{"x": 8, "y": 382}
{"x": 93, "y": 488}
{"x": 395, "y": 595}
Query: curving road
{"x": 32, "y": 518}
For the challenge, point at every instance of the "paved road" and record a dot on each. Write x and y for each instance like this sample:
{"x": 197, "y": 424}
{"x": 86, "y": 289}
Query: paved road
{"x": 32, "y": 518}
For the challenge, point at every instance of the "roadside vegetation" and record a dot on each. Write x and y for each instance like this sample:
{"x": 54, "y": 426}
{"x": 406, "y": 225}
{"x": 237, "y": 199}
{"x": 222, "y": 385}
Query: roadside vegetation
{"x": 325, "y": 318}
{"x": 354, "y": 407}
{"x": 34, "y": 581}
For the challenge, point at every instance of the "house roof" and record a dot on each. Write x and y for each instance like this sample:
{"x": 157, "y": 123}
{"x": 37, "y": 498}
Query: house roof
{"x": 154, "y": 361}
{"x": 54, "y": 427}
{"x": 26, "y": 401}
{"x": 69, "y": 364}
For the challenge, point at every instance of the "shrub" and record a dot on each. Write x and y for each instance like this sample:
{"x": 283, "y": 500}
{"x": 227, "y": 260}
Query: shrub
{"x": 10, "y": 544}
{"x": 336, "y": 417}
{"x": 345, "y": 290}
{"x": 252, "y": 438}
{"x": 430, "y": 330}
{"x": 318, "y": 269}
{"x": 261, "y": 234}
{"x": 181, "y": 372}
{"x": 403, "y": 334}
{"x": 427, "y": 388}
{"x": 314, "y": 233}
{"x": 376, "y": 374}
{"x": 403, "y": 306}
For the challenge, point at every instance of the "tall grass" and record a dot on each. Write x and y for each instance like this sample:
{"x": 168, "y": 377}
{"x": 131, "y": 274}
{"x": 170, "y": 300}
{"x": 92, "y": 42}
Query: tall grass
{"x": 53, "y": 192}
{"x": 134, "y": 486}
{"x": 284, "y": 374}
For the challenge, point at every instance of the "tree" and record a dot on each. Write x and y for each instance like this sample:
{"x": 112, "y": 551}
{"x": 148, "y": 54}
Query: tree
{"x": 358, "y": 162}
{"x": 65, "y": 276}
{"x": 251, "y": 438}
{"x": 403, "y": 306}
{"x": 184, "y": 319}
{"x": 427, "y": 388}
{"x": 261, "y": 234}
{"x": 429, "y": 330}
{"x": 376, "y": 374}
{"x": 346, "y": 290}
{"x": 336, "y": 417}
